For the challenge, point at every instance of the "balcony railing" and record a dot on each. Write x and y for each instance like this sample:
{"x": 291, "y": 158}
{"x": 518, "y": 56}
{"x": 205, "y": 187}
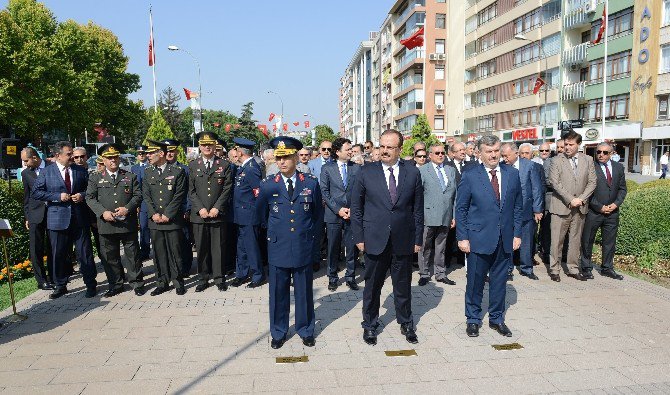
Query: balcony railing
{"x": 574, "y": 92}
{"x": 576, "y": 54}
{"x": 409, "y": 57}
{"x": 409, "y": 81}
{"x": 578, "y": 14}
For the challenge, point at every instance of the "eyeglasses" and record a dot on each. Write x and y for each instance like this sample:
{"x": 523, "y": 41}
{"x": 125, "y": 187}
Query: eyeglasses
{"x": 79, "y": 157}
{"x": 368, "y": 146}
{"x": 387, "y": 147}
{"x": 602, "y": 152}
{"x": 303, "y": 154}
{"x": 419, "y": 156}
{"x": 545, "y": 150}
{"x": 326, "y": 149}
{"x": 439, "y": 153}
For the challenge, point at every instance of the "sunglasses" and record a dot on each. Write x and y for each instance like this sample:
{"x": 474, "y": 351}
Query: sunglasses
{"x": 368, "y": 146}
{"x": 439, "y": 153}
{"x": 419, "y": 156}
{"x": 326, "y": 149}
{"x": 602, "y": 152}
{"x": 304, "y": 154}
{"x": 79, "y": 157}
{"x": 545, "y": 150}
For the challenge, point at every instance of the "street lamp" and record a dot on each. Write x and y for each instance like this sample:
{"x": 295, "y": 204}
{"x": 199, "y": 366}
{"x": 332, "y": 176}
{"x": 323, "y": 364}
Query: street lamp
{"x": 521, "y": 37}
{"x": 176, "y": 48}
{"x": 282, "y": 106}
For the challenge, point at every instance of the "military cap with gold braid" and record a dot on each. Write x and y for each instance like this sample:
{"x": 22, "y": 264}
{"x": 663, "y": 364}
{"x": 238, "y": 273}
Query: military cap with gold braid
{"x": 284, "y": 145}
{"x": 110, "y": 150}
{"x": 154, "y": 146}
{"x": 171, "y": 144}
{"x": 207, "y": 138}
{"x": 99, "y": 160}
{"x": 220, "y": 144}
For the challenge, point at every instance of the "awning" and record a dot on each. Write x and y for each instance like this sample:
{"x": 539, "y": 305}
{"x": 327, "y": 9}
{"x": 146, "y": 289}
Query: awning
{"x": 656, "y": 132}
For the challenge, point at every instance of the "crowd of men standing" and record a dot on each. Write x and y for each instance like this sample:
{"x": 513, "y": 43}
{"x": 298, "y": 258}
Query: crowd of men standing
{"x": 477, "y": 203}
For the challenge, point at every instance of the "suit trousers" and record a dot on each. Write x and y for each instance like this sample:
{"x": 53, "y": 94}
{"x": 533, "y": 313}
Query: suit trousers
{"x": 528, "y": 229}
{"x": 376, "y": 267}
{"x": 434, "y": 252}
{"x": 336, "y": 234}
{"x": 187, "y": 249}
{"x": 110, "y": 248}
{"x": 561, "y": 226}
{"x": 545, "y": 236}
{"x": 39, "y": 247}
{"x": 248, "y": 253}
{"x": 608, "y": 224}
{"x": 230, "y": 248}
{"x": 145, "y": 235}
{"x": 496, "y": 266}
{"x": 279, "y": 279}
{"x": 452, "y": 249}
{"x": 209, "y": 245}
{"x": 61, "y": 246}
{"x": 168, "y": 256}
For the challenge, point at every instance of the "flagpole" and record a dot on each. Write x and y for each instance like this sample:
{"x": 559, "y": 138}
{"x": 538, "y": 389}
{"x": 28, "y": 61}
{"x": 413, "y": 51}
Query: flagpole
{"x": 606, "y": 23}
{"x": 153, "y": 56}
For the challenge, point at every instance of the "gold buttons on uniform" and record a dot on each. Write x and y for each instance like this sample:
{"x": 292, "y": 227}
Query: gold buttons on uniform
{"x": 292, "y": 212}
{"x": 292, "y": 229}
{"x": 292, "y": 220}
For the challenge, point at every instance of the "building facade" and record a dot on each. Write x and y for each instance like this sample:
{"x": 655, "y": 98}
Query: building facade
{"x": 355, "y": 97}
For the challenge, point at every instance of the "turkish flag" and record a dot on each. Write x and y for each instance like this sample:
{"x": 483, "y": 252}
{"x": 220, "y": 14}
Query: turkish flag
{"x": 307, "y": 124}
{"x": 296, "y": 123}
{"x": 264, "y": 130}
{"x": 601, "y": 31}
{"x": 538, "y": 84}
{"x": 227, "y": 127}
{"x": 188, "y": 94}
{"x": 285, "y": 127}
{"x": 272, "y": 116}
{"x": 152, "y": 55}
{"x": 274, "y": 127}
{"x": 413, "y": 41}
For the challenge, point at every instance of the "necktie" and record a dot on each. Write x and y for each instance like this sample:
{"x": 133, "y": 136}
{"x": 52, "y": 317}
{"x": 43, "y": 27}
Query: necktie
{"x": 440, "y": 176}
{"x": 290, "y": 187}
{"x": 608, "y": 175}
{"x": 114, "y": 178}
{"x": 209, "y": 165}
{"x": 344, "y": 174}
{"x": 494, "y": 184}
{"x": 393, "y": 189}
{"x": 68, "y": 183}
{"x": 574, "y": 164}
{"x": 460, "y": 167}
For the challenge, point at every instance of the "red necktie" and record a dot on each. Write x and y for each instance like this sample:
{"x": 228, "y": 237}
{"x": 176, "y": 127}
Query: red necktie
{"x": 494, "y": 184}
{"x": 68, "y": 183}
{"x": 608, "y": 175}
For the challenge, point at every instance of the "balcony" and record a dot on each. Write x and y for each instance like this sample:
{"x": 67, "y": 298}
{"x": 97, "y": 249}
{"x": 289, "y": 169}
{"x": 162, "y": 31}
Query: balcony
{"x": 574, "y": 92}
{"x": 410, "y": 57}
{"x": 408, "y": 81}
{"x": 576, "y": 55}
{"x": 578, "y": 14}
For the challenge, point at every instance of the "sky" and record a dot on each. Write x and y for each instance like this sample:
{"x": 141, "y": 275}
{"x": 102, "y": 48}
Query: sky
{"x": 296, "y": 48}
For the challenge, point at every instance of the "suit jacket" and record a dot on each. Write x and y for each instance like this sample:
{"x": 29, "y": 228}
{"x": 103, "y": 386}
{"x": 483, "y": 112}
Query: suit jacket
{"x": 605, "y": 193}
{"x": 334, "y": 193}
{"x": 34, "y": 210}
{"x": 315, "y": 166}
{"x": 48, "y": 188}
{"x": 465, "y": 166}
{"x": 247, "y": 183}
{"x": 438, "y": 205}
{"x": 567, "y": 185}
{"x": 480, "y": 218}
{"x": 375, "y": 218}
{"x": 532, "y": 188}
{"x": 209, "y": 188}
{"x": 104, "y": 194}
{"x": 138, "y": 170}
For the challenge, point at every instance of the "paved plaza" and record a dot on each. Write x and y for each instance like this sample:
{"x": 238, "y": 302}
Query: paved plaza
{"x": 602, "y": 336}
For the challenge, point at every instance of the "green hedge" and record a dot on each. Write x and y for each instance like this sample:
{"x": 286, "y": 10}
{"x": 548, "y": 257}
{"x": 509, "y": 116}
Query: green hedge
{"x": 631, "y": 185}
{"x": 644, "y": 225}
{"x": 654, "y": 184}
{"x": 11, "y": 207}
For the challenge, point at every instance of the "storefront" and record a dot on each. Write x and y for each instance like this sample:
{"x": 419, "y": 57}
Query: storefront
{"x": 624, "y": 136}
{"x": 657, "y": 140}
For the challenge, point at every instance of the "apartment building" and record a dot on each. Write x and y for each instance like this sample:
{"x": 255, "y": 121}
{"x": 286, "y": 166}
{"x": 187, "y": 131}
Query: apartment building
{"x": 382, "y": 100}
{"x": 355, "y": 99}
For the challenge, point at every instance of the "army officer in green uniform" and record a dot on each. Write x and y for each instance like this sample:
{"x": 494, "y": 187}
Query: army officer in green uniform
{"x": 164, "y": 191}
{"x": 114, "y": 195}
{"x": 210, "y": 184}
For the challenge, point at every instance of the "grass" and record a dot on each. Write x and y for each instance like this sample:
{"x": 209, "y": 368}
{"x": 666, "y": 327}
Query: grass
{"x": 22, "y": 288}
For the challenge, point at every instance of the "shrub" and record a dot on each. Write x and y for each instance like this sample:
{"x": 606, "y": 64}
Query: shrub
{"x": 645, "y": 220}
{"x": 11, "y": 207}
{"x": 631, "y": 185}
{"x": 654, "y": 184}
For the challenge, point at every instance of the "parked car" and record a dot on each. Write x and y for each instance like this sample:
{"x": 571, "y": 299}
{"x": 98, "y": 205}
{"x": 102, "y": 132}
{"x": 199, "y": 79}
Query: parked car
{"x": 127, "y": 160}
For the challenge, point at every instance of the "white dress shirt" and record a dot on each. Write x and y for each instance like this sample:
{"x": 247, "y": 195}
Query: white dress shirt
{"x": 113, "y": 175}
{"x": 440, "y": 169}
{"x": 387, "y": 173}
{"x": 292, "y": 178}
{"x": 339, "y": 168}
{"x": 62, "y": 170}
{"x": 607, "y": 165}
{"x": 488, "y": 173}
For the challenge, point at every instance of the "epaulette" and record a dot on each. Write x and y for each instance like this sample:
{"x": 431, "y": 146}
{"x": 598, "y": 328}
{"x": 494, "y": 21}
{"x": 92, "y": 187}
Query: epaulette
{"x": 277, "y": 177}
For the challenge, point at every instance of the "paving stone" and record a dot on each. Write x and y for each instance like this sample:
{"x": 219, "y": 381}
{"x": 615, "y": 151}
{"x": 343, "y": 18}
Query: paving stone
{"x": 28, "y": 377}
{"x": 50, "y": 389}
{"x": 139, "y": 387}
{"x": 96, "y": 374}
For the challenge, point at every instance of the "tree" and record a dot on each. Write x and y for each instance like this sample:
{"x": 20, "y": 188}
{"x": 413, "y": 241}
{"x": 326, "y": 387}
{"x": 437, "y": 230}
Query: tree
{"x": 160, "y": 130}
{"x": 168, "y": 103}
{"x": 323, "y": 133}
{"x": 421, "y": 131}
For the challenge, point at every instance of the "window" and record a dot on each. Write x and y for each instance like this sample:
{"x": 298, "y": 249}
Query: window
{"x": 618, "y": 66}
{"x": 439, "y": 123}
{"x": 552, "y": 114}
{"x": 619, "y": 22}
{"x": 441, "y": 1}
{"x": 527, "y": 53}
{"x": 527, "y": 22}
{"x": 439, "y": 97}
{"x": 487, "y": 14}
{"x": 666, "y": 13}
{"x": 662, "y": 107}
{"x": 440, "y": 21}
{"x": 485, "y": 123}
{"x": 439, "y": 72}
{"x": 551, "y": 10}
{"x": 665, "y": 59}
{"x": 487, "y": 41}
{"x": 471, "y": 24}
{"x": 486, "y": 69}
{"x": 439, "y": 46}
{"x": 615, "y": 108}
{"x": 552, "y": 44}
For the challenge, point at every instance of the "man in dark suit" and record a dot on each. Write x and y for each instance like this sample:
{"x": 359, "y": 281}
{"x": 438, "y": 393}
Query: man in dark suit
{"x": 458, "y": 162}
{"x": 337, "y": 183}
{"x": 488, "y": 228}
{"x": 315, "y": 165}
{"x": 532, "y": 192}
{"x": 63, "y": 187}
{"x": 36, "y": 218}
{"x": 145, "y": 234}
{"x": 603, "y": 212}
{"x": 387, "y": 224}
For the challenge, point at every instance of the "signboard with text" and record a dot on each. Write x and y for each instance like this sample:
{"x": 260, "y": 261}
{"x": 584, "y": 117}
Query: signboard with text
{"x": 644, "y": 69}
{"x": 524, "y": 134}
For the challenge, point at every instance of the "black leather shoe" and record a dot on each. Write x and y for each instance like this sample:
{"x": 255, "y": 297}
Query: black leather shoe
{"x": 46, "y": 287}
{"x": 201, "y": 287}
{"x": 332, "y": 285}
{"x": 502, "y": 329}
{"x": 531, "y": 276}
{"x": 588, "y": 275}
{"x": 446, "y": 281}
{"x": 180, "y": 290}
{"x": 555, "y": 277}
{"x": 408, "y": 331}
{"x": 423, "y": 281}
{"x": 370, "y": 337}
{"x": 277, "y": 343}
{"x": 222, "y": 287}
{"x": 159, "y": 291}
{"x": 113, "y": 292}
{"x": 237, "y": 282}
{"x": 90, "y": 292}
{"x": 352, "y": 285}
{"x": 316, "y": 267}
{"x": 140, "y": 291}
{"x": 577, "y": 276}
{"x": 472, "y": 330}
{"x": 255, "y": 284}
{"x": 308, "y": 341}
{"x": 510, "y": 277}
{"x": 58, "y": 292}
{"x": 611, "y": 274}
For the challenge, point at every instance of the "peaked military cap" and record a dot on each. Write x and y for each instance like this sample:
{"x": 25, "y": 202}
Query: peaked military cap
{"x": 172, "y": 144}
{"x": 110, "y": 150}
{"x": 140, "y": 148}
{"x": 285, "y": 145}
{"x": 207, "y": 138}
{"x": 154, "y": 146}
{"x": 244, "y": 143}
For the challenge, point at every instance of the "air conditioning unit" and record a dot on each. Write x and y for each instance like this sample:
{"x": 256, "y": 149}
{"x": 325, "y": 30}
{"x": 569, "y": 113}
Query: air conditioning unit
{"x": 432, "y": 56}
{"x": 439, "y": 107}
{"x": 441, "y": 56}
{"x": 590, "y": 6}
{"x": 574, "y": 67}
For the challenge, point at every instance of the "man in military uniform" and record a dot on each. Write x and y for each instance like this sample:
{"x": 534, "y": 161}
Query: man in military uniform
{"x": 163, "y": 189}
{"x": 210, "y": 183}
{"x": 114, "y": 196}
{"x": 290, "y": 204}
{"x": 138, "y": 170}
{"x": 187, "y": 240}
{"x": 229, "y": 244}
{"x": 245, "y": 192}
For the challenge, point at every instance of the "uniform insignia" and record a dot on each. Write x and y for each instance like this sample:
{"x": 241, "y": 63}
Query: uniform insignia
{"x": 169, "y": 187}
{"x": 199, "y": 162}
{"x": 198, "y": 169}
{"x": 256, "y": 191}
{"x": 277, "y": 177}
{"x": 101, "y": 181}
{"x": 275, "y": 208}
{"x": 301, "y": 176}
{"x": 169, "y": 177}
{"x": 306, "y": 192}
{"x": 306, "y": 207}
{"x": 126, "y": 179}
{"x": 275, "y": 195}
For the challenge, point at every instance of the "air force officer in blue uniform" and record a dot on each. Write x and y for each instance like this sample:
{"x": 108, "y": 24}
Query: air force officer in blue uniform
{"x": 290, "y": 204}
{"x": 488, "y": 229}
{"x": 145, "y": 233}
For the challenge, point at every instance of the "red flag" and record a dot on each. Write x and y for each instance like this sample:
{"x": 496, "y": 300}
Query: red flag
{"x": 272, "y": 116}
{"x": 296, "y": 123}
{"x": 188, "y": 94}
{"x": 217, "y": 125}
{"x": 601, "y": 31}
{"x": 227, "y": 127}
{"x": 413, "y": 41}
{"x": 285, "y": 127}
{"x": 274, "y": 127}
{"x": 264, "y": 130}
{"x": 152, "y": 55}
{"x": 538, "y": 84}
{"x": 307, "y": 124}
{"x": 237, "y": 126}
